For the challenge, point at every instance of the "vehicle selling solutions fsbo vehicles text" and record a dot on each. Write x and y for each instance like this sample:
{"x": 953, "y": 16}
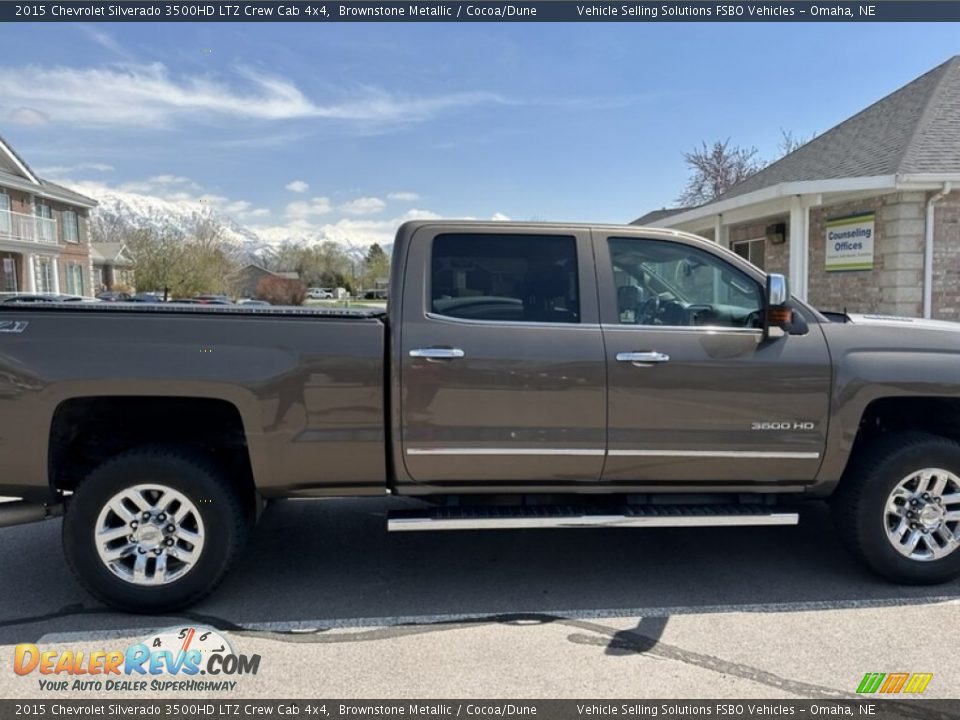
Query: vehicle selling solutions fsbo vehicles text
{"x": 667, "y": 11}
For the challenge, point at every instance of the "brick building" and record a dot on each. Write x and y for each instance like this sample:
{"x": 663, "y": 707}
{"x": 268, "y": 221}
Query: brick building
{"x": 865, "y": 216}
{"x": 44, "y": 239}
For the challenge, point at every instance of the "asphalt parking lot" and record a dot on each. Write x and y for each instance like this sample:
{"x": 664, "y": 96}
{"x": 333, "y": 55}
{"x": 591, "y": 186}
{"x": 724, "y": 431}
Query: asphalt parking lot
{"x": 336, "y": 607}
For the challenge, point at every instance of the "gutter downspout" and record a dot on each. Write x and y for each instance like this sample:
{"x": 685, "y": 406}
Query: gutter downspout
{"x": 928, "y": 251}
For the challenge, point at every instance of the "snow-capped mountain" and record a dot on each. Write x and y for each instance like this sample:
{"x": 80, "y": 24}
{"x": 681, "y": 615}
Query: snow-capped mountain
{"x": 133, "y": 210}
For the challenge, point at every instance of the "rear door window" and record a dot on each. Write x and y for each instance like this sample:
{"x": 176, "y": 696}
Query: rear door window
{"x": 506, "y": 278}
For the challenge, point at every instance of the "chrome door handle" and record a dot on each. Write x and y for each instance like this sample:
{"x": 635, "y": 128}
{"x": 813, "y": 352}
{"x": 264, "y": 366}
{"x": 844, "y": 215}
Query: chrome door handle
{"x": 643, "y": 357}
{"x": 437, "y": 353}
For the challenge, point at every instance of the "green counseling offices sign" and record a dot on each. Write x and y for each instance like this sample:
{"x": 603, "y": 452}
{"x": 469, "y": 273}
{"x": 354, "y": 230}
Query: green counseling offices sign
{"x": 850, "y": 243}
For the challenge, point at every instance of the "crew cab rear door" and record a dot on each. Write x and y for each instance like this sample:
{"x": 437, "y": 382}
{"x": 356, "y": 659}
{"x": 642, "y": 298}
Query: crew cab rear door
{"x": 696, "y": 396}
{"x": 502, "y": 371}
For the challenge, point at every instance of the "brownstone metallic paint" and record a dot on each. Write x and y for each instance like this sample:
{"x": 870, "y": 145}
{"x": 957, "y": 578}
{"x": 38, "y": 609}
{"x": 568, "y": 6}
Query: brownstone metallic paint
{"x": 309, "y": 389}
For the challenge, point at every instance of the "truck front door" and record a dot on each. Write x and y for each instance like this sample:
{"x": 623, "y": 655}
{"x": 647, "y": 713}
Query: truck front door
{"x": 502, "y": 372}
{"x": 696, "y": 396}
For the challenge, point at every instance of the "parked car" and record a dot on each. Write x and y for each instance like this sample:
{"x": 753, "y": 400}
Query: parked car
{"x": 29, "y": 298}
{"x": 146, "y": 298}
{"x": 254, "y": 302}
{"x": 213, "y": 300}
{"x": 527, "y": 376}
{"x": 110, "y": 296}
{"x": 316, "y": 293}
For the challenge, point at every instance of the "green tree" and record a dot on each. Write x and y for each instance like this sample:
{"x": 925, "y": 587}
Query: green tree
{"x": 376, "y": 266}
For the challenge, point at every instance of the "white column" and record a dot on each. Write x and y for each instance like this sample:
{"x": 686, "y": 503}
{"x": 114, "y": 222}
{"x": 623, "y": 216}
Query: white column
{"x": 30, "y": 281}
{"x": 799, "y": 247}
{"x": 721, "y": 232}
{"x": 55, "y": 271}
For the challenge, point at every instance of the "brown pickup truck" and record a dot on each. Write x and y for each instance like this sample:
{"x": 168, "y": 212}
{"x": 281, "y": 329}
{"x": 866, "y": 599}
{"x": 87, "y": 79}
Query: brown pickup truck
{"x": 522, "y": 376}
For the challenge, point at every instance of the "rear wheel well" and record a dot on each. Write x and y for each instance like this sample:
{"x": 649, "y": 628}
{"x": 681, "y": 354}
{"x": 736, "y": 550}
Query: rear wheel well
{"x": 87, "y": 431}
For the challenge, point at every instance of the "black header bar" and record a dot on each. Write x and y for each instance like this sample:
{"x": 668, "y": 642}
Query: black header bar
{"x": 535, "y": 11}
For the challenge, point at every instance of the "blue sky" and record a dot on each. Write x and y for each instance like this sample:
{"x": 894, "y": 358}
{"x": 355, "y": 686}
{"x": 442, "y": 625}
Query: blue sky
{"x": 342, "y": 130}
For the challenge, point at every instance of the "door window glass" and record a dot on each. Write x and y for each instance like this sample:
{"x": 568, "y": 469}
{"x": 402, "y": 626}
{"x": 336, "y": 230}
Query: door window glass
{"x": 671, "y": 284}
{"x": 519, "y": 278}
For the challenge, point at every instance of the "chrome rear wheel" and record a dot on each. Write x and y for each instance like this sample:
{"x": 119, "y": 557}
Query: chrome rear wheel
{"x": 149, "y": 534}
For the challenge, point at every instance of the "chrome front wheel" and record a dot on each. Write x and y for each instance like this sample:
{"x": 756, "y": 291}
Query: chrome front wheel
{"x": 922, "y": 515}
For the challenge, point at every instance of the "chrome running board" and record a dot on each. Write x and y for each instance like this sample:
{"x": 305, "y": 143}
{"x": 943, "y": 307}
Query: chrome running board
{"x": 560, "y": 516}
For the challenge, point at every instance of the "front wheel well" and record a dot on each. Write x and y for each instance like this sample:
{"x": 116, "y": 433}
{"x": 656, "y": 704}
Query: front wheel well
{"x": 85, "y": 432}
{"x": 887, "y": 416}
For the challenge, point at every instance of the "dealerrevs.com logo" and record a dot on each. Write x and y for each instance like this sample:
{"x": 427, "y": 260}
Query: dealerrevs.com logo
{"x": 192, "y": 659}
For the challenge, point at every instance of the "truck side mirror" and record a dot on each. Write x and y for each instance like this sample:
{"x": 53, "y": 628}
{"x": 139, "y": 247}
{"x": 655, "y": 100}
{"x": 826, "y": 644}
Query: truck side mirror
{"x": 777, "y": 312}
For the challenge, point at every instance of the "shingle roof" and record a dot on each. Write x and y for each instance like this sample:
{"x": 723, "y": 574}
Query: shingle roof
{"x": 67, "y": 194}
{"x": 655, "y": 215}
{"x": 915, "y": 129}
{"x": 59, "y": 192}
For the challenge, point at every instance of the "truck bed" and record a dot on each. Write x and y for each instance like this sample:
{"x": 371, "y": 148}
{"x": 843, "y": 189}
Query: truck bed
{"x": 305, "y": 386}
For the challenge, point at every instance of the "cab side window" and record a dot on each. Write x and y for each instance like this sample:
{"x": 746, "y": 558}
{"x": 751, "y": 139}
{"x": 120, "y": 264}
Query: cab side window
{"x": 665, "y": 283}
{"x": 516, "y": 278}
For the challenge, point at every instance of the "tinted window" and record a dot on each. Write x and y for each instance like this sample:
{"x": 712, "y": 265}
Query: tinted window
{"x": 519, "y": 278}
{"x": 666, "y": 283}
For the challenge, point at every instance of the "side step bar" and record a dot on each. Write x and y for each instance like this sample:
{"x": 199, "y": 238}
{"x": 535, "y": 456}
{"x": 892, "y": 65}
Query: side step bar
{"x": 560, "y": 516}
{"x": 21, "y": 512}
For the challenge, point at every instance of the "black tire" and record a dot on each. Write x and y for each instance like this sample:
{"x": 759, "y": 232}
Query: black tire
{"x": 225, "y": 519}
{"x": 859, "y": 502}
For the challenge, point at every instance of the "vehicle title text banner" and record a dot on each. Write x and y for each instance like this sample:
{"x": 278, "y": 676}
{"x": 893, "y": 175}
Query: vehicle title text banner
{"x": 535, "y": 11}
{"x": 232, "y": 708}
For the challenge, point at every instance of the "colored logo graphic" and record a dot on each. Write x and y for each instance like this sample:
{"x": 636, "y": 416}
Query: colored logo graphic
{"x": 179, "y": 652}
{"x": 892, "y": 683}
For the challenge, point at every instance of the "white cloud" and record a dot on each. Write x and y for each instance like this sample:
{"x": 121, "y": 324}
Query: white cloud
{"x": 499, "y": 217}
{"x": 104, "y": 40}
{"x": 403, "y": 196}
{"x": 149, "y": 95}
{"x": 301, "y": 210}
{"x": 363, "y": 206}
{"x": 28, "y": 116}
{"x": 297, "y": 186}
{"x": 166, "y": 186}
{"x": 351, "y": 232}
{"x": 61, "y": 170}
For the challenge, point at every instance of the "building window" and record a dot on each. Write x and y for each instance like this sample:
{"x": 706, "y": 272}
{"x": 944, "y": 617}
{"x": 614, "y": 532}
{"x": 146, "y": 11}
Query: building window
{"x": 44, "y": 274}
{"x": 75, "y": 278}
{"x": 46, "y": 227}
{"x": 71, "y": 227}
{"x": 750, "y": 250}
{"x": 9, "y": 274}
{"x": 5, "y": 219}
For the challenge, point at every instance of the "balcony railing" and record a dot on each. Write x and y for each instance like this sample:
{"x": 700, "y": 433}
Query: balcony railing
{"x": 27, "y": 228}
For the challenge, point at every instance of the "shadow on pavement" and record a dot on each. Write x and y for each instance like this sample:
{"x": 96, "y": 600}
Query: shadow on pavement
{"x": 313, "y": 563}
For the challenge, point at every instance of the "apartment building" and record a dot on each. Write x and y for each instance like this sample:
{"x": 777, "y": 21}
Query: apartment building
{"x": 44, "y": 237}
